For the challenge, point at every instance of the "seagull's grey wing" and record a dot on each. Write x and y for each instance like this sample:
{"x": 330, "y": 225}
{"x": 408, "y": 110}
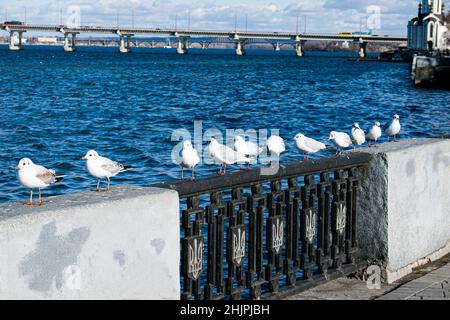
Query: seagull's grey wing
{"x": 230, "y": 156}
{"x": 314, "y": 144}
{"x": 348, "y": 139}
{"x": 111, "y": 166}
{"x": 345, "y": 138}
{"x": 253, "y": 149}
{"x": 47, "y": 176}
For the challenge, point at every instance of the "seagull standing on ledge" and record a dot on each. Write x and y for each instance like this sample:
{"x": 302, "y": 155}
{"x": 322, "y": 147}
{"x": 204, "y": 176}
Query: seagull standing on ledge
{"x": 275, "y": 145}
{"x": 224, "y": 155}
{"x": 358, "y": 136}
{"x": 101, "y": 167}
{"x": 374, "y": 133}
{"x": 190, "y": 158}
{"x": 248, "y": 148}
{"x": 394, "y": 128}
{"x": 35, "y": 176}
{"x": 340, "y": 140}
{"x": 308, "y": 145}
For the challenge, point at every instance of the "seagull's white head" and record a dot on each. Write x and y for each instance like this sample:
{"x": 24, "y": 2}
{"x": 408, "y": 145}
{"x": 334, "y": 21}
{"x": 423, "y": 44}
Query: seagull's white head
{"x": 239, "y": 139}
{"x": 332, "y": 135}
{"x": 299, "y": 137}
{"x": 187, "y": 144}
{"x": 356, "y": 126}
{"x": 213, "y": 142}
{"x": 23, "y": 163}
{"x": 91, "y": 154}
{"x": 396, "y": 117}
{"x": 377, "y": 124}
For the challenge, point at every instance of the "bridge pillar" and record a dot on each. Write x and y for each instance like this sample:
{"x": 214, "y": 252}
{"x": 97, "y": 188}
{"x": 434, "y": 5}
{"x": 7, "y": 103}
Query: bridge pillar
{"x": 12, "y": 44}
{"x": 125, "y": 46}
{"x": 182, "y": 46}
{"x": 362, "y": 50}
{"x": 240, "y": 49}
{"x": 299, "y": 48}
{"x": 277, "y": 47}
{"x": 70, "y": 45}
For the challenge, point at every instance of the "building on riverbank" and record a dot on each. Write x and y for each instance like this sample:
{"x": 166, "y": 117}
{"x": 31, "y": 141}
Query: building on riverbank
{"x": 427, "y": 30}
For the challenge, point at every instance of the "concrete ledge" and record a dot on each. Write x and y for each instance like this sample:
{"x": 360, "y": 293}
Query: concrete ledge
{"x": 405, "y": 205}
{"x": 118, "y": 245}
{"x": 394, "y": 275}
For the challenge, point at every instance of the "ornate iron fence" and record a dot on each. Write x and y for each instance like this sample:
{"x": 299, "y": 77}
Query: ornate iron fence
{"x": 246, "y": 235}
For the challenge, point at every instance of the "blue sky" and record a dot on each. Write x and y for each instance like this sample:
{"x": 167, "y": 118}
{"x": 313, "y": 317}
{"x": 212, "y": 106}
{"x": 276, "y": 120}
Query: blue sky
{"x": 322, "y": 16}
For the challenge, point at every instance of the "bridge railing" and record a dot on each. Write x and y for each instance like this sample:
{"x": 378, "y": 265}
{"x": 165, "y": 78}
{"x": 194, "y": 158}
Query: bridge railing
{"x": 248, "y": 235}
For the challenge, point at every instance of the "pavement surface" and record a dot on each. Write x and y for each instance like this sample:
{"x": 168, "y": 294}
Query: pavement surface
{"x": 433, "y": 286}
{"x": 428, "y": 282}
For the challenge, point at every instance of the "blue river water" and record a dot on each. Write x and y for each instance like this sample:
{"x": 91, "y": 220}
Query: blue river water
{"x": 55, "y": 106}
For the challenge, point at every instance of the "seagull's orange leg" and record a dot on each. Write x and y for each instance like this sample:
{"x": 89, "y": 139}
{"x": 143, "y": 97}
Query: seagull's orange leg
{"x": 30, "y": 203}
{"x": 40, "y": 197}
{"x": 98, "y": 186}
{"x": 193, "y": 174}
{"x": 109, "y": 182}
{"x": 182, "y": 173}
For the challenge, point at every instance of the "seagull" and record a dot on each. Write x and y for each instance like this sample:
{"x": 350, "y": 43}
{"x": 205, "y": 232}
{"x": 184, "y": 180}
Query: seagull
{"x": 190, "y": 158}
{"x": 33, "y": 176}
{"x": 248, "y": 148}
{"x": 308, "y": 145}
{"x": 374, "y": 133}
{"x": 394, "y": 128}
{"x": 275, "y": 145}
{"x": 224, "y": 155}
{"x": 340, "y": 140}
{"x": 101, "y": 167}
{"x": 358, "y": 136}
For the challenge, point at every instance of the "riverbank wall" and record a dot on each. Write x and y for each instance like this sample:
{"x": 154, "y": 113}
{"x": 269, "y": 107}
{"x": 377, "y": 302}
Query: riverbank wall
{"x": 125, "y": 244}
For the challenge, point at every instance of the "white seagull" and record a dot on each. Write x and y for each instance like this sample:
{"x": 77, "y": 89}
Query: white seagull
{"x": 189, "y": 157}
{"x": 308, "y": 145}
{"x": 340, "y": 140}
{"x": 358, "y": 136}
{"x": 33, "y": 176}
{"x": 248, "y": 148}
{"x": 101, "y": 167}
{"x": 275, "y": 145}
{"x": 394, "y": 128}
{"x": 224, "y": 155}
{"x": 374, "y": 132}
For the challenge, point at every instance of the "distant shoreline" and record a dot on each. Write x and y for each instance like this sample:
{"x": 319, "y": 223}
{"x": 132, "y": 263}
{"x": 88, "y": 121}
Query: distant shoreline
{"x": 309, "y": 46}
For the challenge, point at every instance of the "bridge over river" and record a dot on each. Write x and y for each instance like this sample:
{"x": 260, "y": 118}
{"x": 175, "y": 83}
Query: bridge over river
{"x": 297, "y": 40}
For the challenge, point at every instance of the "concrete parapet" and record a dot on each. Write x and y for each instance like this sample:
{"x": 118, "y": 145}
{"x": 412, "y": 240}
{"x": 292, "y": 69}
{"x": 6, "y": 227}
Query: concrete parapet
{"x": 118, "y": 245}
{"x": 404, "y": 205}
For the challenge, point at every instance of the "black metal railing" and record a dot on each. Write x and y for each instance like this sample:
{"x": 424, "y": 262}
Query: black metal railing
{"x": 247, "y": 236}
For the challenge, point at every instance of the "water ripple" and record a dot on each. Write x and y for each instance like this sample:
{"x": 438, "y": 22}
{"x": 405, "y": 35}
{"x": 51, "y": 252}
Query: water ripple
{"x": 56, "y": 106}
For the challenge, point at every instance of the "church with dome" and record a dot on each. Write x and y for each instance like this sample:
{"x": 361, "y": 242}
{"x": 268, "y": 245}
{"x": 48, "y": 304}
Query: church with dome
{"x": 427, "y": 30}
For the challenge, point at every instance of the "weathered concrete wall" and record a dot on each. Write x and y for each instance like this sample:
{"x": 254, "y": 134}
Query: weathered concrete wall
{"x": 118, "y": 245}
{"x": 405, "y": 218}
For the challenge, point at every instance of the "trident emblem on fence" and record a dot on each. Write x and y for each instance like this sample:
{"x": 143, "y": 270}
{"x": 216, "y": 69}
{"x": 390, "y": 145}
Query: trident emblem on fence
{"x": 195, "y": 258}
{"x": 277, "y": 235}
{"x": 341, "y": 218}
{"x": 310, "y": 224}
{"x": 238, "y": 244}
